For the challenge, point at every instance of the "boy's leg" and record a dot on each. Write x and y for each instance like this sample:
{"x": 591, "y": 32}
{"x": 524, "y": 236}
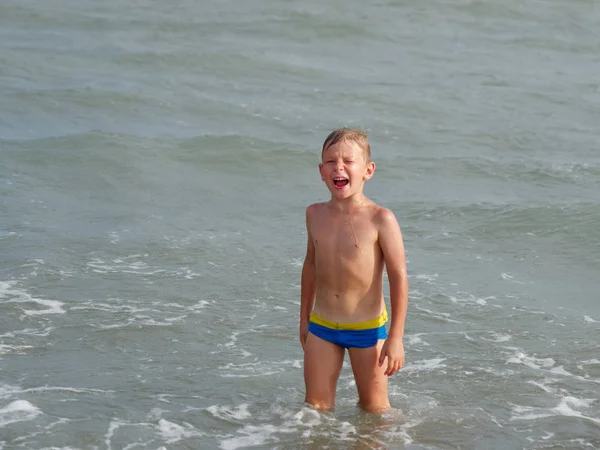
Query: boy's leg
{"x": 371, "y": 381}
{"x": 322, "y": 366}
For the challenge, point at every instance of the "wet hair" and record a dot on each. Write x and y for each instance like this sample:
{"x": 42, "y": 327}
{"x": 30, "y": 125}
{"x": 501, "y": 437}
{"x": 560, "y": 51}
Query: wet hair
{"x": 350, "y": 134}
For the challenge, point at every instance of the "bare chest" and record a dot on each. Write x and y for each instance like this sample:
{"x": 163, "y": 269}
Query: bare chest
{"x": 345, "y": 238}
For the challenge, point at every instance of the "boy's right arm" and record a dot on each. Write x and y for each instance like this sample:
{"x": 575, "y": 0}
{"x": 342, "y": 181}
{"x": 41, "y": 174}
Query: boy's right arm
{"x": 308, "y": 281}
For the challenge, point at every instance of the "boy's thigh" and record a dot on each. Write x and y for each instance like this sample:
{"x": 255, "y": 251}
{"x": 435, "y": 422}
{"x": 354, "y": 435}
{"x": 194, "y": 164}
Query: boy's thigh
{"x": 371, "y": 381}
{"x": 322, "y": 366}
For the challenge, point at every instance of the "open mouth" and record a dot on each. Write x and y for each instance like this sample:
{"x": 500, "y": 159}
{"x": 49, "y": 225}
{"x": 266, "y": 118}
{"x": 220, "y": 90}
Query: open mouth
{"x": 340, "y": 182}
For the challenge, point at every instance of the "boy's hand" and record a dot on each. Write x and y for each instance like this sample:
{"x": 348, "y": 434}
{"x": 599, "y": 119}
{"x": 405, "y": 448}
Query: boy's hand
{"x": 393, "y": 350}
{"x": 303, "y": 333}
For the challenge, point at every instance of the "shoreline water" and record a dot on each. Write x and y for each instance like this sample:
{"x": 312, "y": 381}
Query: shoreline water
{"x": 155, "y": 165}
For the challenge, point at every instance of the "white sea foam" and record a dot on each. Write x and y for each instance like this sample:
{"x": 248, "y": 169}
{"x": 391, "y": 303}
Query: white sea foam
{"x": 230, "y": 413}
{"x": 200, "y": 305}
{"x": 133, "y": 315}
{"x": 580, "y": 442}
{"x": 139, "y": 444}
{"x": 497, "y": 337}
{"x": 138, "y": 267}
{"x": 529, "y": 361}
{"x": 568, "y": 406}
{"x": 522, "y": 309}
{"x": 7, "y": 390}
{"x": 547, "y": 436}
{"x": 232, "y": 340}
{"x": 172, "y": 432}
{"x": 156, "y": 413}
{"x": 13, "y": 349}
{"x": 297, "y": 364}
{"x": 466, "y": 299}
{"x": 589, "y": 319}
{"x": 53, "y": 307}
{"x": 436, "y": 315}
{"x": 165, "y": 429}
{"x": 65, "y": 389}
{"x": 247, "y": 370}
{"x": 18, "y": 411}
{"x": 6, "y": 288}
{"x": 41, "y": 332}
{"x": 188, "y": 274}
{"x": 251, "y": 436}
{"x": 560, "y": 370}
{"x": 306, "y": 422}
{"x": 112, "y": 427}
{"x": 140, "y": 321}
{"x": 544, "y": 386}
{"x": 509, "y": 277}
{"x": 546, "y": 365}
{"x": 306, "y": 416}
{"x": 138, "y": 313}
{"x": 14, "y": 295}
{"x": 591, "y": 361}
{"x": 424, "y": 365}
{"x": 120, "y": 266}
{"x": 258, "y": 368}
{"x": 426, "y": 277}
{"x": 414, "y": 340}
{"x": 297, "y": 262}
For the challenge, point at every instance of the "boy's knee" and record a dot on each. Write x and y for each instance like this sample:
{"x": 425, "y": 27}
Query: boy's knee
{"x": 319, "y": 404}
{"x": 375, "y": 407}
{"x": 374, "y": 401}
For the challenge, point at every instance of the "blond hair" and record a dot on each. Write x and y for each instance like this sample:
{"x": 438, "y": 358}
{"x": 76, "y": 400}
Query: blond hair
{"x": 356, "y": 136}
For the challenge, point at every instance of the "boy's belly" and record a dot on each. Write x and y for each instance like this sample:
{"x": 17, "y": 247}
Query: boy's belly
{"x": 348, "y": 307}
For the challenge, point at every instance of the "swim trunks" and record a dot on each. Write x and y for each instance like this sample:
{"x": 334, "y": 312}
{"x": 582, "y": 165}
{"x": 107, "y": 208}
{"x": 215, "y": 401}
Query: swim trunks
{"x": 349, "y": 335}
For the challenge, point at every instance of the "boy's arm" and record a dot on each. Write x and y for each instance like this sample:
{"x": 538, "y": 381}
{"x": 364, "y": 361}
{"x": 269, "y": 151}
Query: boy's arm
{"x": 390, "y": 241}
{"x": 308, "y": 281}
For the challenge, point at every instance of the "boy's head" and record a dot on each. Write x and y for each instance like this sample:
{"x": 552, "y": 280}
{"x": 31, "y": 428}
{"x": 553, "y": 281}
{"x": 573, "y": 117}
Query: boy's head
{"x": 346, "y": 162}
{"x": 350, "y": 134}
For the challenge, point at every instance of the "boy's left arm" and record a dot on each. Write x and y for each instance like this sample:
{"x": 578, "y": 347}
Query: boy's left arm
{"x": 392, "y": 246}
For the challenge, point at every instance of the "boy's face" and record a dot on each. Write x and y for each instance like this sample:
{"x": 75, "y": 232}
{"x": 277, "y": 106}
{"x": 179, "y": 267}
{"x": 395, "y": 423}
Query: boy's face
{"x": 344, "y": 169}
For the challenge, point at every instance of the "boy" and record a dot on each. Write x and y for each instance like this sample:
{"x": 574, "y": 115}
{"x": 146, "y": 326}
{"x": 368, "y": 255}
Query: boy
{"x": 350, "y": 239}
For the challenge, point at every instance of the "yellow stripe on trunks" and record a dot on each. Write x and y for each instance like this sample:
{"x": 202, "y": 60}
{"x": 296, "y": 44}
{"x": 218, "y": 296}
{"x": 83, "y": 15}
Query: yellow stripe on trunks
{"x": 375, "y": 323}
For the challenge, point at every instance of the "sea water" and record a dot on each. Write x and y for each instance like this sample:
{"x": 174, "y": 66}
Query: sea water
{"x": 156, "y": 160}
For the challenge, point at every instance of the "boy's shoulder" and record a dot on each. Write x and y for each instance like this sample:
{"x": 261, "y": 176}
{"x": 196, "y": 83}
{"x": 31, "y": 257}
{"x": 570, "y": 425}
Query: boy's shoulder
{"x": 383, "y": 217}
{"x": 313, "y": 209}
{"x": 383, "y": 213}
{"x": 379, "y": 212}
{"x": 376, "y": 211}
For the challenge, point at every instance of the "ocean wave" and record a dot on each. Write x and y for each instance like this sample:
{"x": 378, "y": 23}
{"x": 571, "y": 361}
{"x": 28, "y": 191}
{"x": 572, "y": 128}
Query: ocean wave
{"x": 244, "y": 153}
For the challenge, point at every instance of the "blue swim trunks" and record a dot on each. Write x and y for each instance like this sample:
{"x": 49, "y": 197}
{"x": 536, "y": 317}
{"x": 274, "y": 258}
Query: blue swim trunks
{"x": 349, "y": 335}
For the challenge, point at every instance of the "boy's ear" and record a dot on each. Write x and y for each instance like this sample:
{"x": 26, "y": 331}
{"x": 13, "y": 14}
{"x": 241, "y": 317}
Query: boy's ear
{"x": 321, "y": 171}
{"x": 369, "y": 170}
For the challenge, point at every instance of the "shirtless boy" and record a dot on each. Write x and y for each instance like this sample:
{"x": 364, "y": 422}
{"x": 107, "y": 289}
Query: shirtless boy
{"x": 350, "y": 240}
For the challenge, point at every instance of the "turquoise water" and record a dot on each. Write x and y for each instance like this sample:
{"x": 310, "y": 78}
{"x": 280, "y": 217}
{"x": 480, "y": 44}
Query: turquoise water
{"x": 155, "y": 164}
